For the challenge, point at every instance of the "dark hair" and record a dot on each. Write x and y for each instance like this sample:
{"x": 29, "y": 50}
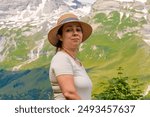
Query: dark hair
{"x": 59, "y": 43}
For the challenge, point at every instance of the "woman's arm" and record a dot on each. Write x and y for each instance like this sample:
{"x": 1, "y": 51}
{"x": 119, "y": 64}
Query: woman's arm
{"x": 67, "y": 86}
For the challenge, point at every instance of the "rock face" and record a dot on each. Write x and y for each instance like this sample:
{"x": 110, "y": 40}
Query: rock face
{"x": 105, "y": 6}
{"x": 17, "y": 13}
{"x": 14, "y": 7}
{"x": 35, "y": 7}
{"x": 135, "y": 9}
{"x": 26, "y": 18}
{"x": 25, "y": 52}
{"x": 24, "y": 25}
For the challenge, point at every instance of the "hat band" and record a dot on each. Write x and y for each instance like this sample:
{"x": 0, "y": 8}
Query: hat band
{"x": 69, "y": 19}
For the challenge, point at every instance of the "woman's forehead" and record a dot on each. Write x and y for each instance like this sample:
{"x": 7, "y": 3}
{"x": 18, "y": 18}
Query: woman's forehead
{"x": 71, "y": 24}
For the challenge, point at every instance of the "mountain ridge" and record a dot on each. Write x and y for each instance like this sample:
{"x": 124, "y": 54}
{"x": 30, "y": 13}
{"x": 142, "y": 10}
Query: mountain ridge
{"x": 118, "y": 40}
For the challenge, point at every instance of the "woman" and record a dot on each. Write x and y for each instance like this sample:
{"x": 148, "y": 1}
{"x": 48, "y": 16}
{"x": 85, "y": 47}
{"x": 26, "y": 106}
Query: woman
{"x": 67, "y": 75}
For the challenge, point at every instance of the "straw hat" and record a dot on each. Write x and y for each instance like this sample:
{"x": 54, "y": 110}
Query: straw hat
{"x": 66, "y": 18}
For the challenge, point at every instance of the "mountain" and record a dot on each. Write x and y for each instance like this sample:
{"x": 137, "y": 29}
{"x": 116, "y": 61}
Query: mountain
{"x": 25, "y": 52}
{"x": 23, "y": 32}
{"x": 120, "y": 39}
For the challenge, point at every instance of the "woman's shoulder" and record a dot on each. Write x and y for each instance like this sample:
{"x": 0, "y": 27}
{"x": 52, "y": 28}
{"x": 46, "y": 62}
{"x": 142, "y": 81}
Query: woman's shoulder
{"x": 60, "y": 56}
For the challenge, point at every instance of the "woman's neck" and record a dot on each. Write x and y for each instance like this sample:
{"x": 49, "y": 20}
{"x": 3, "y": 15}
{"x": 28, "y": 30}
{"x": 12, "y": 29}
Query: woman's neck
{"x": 71, "y": 52}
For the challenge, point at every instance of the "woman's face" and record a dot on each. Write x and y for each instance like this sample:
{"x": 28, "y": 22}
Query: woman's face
{"x": 71, "y": 35}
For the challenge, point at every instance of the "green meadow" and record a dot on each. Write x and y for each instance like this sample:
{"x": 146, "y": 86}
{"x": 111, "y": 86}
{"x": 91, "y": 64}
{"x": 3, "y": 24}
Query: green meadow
{"x": 115, "y": 43}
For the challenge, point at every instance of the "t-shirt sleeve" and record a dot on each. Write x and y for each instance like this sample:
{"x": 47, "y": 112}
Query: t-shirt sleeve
{"x": 62, "y": 65}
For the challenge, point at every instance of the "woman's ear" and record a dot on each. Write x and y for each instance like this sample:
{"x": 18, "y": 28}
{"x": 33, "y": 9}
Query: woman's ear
{"x": 59, "y": 37}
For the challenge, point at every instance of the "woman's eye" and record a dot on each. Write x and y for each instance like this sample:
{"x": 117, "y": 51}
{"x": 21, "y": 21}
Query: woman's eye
{"x": 79, "y": 30}
{"x": 68, "y": 30}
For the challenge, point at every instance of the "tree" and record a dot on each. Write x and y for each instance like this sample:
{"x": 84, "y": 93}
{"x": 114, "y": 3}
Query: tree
{"x": 120, "y": 89}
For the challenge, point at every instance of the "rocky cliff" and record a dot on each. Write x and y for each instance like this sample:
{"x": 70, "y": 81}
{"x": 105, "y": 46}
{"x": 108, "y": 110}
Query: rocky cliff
{"x": 138, "y": 10}
{"x": 117, "y": 40}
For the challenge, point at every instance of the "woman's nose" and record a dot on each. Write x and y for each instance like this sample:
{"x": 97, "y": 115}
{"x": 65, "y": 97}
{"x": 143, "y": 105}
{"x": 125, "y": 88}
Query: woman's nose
{"x": 75, "y": 32}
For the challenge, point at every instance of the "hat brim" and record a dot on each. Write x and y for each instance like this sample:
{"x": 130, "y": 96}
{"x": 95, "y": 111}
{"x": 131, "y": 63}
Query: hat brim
{"x": 52, "y": 35}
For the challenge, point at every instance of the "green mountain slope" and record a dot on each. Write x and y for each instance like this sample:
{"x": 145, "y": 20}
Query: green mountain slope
{"x": 105, "y": 51}
{"x": 114, "y": 43}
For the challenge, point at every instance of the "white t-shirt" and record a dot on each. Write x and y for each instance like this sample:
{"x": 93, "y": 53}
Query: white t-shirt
{"x": 62, "y": 63}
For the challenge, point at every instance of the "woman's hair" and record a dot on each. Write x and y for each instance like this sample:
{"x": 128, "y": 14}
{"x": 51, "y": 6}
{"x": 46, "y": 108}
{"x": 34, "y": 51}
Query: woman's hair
{"x": 59, "y": 43}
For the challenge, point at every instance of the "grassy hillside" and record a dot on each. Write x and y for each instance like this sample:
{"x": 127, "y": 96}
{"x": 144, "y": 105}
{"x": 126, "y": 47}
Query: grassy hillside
{"x": 131, "y": 54}
{"x": 115, "y": 43}
{"x": 105, "y": 51}
{"x": 18, "y": 46}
